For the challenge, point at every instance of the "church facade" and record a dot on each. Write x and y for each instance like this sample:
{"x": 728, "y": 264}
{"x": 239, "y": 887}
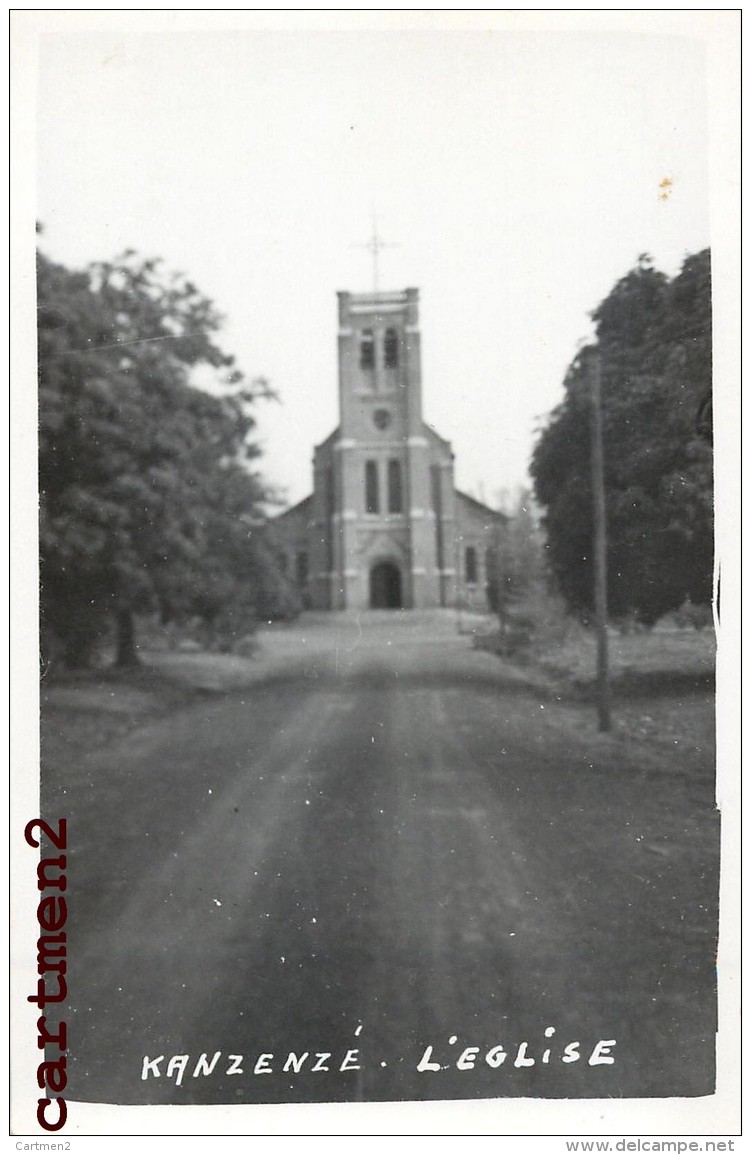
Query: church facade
{"x": 385, "y": 527}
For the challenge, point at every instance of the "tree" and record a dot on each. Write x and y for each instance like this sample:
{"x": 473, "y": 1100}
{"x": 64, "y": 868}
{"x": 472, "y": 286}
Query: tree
{"x": 514, "y": 557}
{"x": 145, "y": 480}
{"x": 654, "y": 342}
{"x": 519, "y": 589}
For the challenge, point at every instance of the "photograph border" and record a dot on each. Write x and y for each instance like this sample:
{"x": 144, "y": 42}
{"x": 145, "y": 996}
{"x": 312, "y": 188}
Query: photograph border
{"x": 712, "y": 1115}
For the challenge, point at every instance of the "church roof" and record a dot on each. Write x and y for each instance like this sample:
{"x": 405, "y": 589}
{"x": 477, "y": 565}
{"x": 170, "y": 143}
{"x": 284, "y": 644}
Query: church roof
{"x": 295, "y": 510}
{"x": 436, "y": 438}
{"x": 332, "y": 437}
{"x": 480, "y": 506}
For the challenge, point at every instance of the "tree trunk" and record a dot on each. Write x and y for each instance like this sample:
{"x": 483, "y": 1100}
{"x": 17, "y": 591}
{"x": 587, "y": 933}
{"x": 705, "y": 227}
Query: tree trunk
{"x": 127, "y": 655}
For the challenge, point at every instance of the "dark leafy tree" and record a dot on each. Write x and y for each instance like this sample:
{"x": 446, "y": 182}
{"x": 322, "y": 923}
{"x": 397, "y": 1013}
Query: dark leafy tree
{"x": 654, "y": 341}
{"x": 148, "y": 497}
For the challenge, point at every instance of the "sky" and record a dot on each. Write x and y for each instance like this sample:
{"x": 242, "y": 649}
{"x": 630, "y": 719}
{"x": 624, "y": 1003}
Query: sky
{"x": 516, "y": 165}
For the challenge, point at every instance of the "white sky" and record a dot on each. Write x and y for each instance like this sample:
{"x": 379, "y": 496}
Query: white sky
{"x": 518, "y": 171}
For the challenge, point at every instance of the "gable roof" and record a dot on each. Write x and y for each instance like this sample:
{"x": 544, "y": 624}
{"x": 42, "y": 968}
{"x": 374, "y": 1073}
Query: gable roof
{"x": 302, "y": 507}
{"x": 480, "y": 506}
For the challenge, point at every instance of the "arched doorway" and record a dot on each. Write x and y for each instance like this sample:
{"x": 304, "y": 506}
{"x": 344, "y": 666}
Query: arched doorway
{"x": 385, "y": 586}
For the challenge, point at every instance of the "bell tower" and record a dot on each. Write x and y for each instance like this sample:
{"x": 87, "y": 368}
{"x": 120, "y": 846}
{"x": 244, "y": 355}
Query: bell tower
{"x": 385, "y": 528}
{"x": 383, "y": 552}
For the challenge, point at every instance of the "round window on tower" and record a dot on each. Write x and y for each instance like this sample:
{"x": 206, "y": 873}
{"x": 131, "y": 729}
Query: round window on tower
{"x": 381, "y": 418}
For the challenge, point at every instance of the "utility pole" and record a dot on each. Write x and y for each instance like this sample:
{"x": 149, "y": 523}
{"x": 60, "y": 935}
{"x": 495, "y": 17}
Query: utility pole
{"x": 600, "y": 547}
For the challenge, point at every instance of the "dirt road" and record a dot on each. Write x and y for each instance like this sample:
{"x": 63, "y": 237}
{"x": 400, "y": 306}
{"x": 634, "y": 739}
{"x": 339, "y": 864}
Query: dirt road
{"x": 385, "y": 845}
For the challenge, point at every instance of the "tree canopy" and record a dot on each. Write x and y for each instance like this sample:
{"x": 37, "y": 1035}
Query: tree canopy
{"x": 654, "y": 342}
{"x": 148, "y": 497}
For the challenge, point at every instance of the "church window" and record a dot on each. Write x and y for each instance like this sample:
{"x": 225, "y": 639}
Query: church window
{"x": 371, "y": 487}
{"x": 491, "y": 578}
{"x": 435, "y": 497}
{"x": 328, "y": 479}
{"x": 367, "y": 349}
{"x": 435, "y": 488}
{"x": 470, "y": 565}
{"x": 395, "y": 487}
{"x": 391, "y": 349}
{"x": 329, "y": 499}
{"x": 381, "y": 418}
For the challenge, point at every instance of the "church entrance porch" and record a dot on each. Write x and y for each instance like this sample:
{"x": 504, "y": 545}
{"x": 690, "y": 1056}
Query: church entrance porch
{"x": 385, "y": 586}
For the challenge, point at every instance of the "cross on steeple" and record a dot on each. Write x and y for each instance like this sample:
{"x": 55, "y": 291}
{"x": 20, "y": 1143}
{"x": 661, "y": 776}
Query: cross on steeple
{"x": 376, "y": 245}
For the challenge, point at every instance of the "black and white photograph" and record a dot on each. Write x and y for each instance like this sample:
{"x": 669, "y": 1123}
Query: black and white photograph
{"x": 376, "y": 442}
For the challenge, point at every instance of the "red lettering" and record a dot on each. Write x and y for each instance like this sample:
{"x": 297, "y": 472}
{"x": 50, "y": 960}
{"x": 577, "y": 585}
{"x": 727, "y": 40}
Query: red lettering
{"x": 58, "y": 840}
{"x": 43, "y": 1104}
{"x": 42, "y": 880}
{"x": 60, "y": 1040}
{"x": 42, "y": 997}
{"x": 52, "y": 913}
{"x": 51, "y": 953}
{"x": 53, "y": 1074}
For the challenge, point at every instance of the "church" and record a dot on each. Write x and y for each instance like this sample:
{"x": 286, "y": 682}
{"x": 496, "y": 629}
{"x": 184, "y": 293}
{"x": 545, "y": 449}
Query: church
{"x": 385, "y": 526}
